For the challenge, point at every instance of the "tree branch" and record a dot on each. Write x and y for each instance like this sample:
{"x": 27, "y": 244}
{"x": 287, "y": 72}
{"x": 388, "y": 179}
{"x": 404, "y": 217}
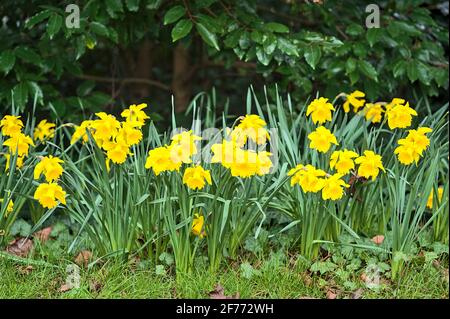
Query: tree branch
{"x": 154, "y": 83}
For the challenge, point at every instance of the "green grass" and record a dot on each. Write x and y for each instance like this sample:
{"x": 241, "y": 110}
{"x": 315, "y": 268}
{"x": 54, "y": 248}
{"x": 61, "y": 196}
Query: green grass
{"x": 272, "y": 278}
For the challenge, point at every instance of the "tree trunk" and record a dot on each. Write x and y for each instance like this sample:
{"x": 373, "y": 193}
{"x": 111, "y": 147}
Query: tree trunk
{"x": 181, "y": 85}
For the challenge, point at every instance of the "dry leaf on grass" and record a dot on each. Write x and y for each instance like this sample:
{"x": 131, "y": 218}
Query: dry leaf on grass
{"x": 363, "y": 277}
{"x": 306, "y": 297}
{"x": 25, "y": 270}
{"x": 218, "y": 293}
{"x": 83, "y": 258}
{"x": 44, "y": 234}
{"x": 378, "y": 239}
{"x": 331, "y": 294}
{"x": 20, "y": 247}
{"x": 65, "y": 288}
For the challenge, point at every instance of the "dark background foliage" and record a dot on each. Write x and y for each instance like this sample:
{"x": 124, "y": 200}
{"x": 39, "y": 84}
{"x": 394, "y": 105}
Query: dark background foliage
{"x": 132, "y": 51}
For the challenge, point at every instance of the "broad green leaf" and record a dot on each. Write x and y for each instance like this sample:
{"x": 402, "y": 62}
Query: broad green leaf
{"x": 207, "y": 36}
{"x": 276, "y": 27}
{"x": 354, "y": 29}
{"x": 174, "y": 14}
{"x": 399, "y": 69}
{"x": 287, "y": 47}
{"x": 270, "y": 44}
{"x": 20, "y": 92}
{"x": 35, "y": 91}
{"x": 412, "y": 71}
{"x": 373, "y": 35}
{"x": 54, "y": 25}
{"x": 262, "y": 56}
{"x": 99, "y": 29}
{"x": 7, "y": 61}
{"x": 312, "y": 55}
{"x": 350, "y": 65}
{"x": 368, "y": 70}
{"x": 39, "y": 17}
{"x": 133, "y": 5}
{"x": 28, "y": 55}
{"x": 424, "y": 73}
{"x": 113, "y": 6}
{"x": 181, "y": 29}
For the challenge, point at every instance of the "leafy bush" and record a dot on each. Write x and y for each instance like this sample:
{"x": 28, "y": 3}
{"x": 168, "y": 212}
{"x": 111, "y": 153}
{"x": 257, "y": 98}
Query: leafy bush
{"x": 126, "y": 50}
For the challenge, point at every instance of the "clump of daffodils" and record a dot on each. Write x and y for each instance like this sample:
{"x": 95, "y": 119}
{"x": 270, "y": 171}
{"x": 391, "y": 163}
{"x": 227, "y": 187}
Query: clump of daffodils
{"x": 344, "y": 162}
{"x": 18, "y": 142}
{"x": 114, "y": 137}
{"x": 314, "y": 180}
{"x": 48, "y": 194}
{"x": 399, "y": 114}
{"x": 244, "y": 163}
{"x": 411, "y": 148}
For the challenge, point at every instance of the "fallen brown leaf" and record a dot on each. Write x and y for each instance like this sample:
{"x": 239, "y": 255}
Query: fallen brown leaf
{"x": 83, "y": 258}
{"x": 378, "y": 239}
{"x": 331, "y": 294}
{"x": 25, "y": 270}
{"x": 363, "y": 277}
{"x": 64, "y": 288}
{"x": 218, "y": 293}
{"x": 20, "y": 247}
{"x": 44, "y": 234}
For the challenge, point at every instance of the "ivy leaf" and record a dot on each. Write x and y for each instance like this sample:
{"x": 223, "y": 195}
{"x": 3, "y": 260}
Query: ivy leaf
{"x": 174, "y": 14}
{"x": 207, "y": 36}
{"x": 181, "y": 29}
{"x": 53, "y": 25}
{"x": 7, "y": 61}
{"x": 247, "y": 271}
{"x": 20, "y": 228}
{"x": 368, "y": 70}
{"x": 312, "y": 55}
